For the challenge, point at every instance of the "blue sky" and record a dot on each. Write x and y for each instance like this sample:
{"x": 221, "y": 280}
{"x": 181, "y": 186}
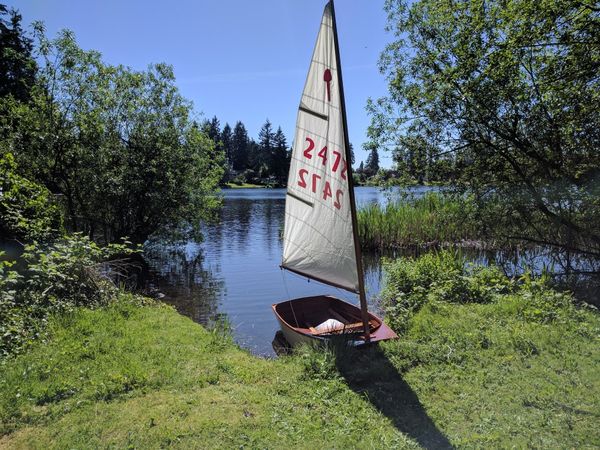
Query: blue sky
{"x": 236, "y": 59}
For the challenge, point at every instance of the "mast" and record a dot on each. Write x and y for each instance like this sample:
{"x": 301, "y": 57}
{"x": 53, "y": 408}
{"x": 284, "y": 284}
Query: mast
{"x": 361, "y": 281}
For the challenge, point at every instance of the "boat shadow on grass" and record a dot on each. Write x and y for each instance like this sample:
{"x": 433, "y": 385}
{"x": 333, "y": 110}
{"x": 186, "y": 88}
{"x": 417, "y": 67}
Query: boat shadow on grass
{"x": 369, "y": 373}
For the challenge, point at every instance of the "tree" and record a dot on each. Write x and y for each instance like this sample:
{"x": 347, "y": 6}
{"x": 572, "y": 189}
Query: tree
{"x": 279, "y": 157}
{"x": 17, "y": 66}
{"x": 212, "y": 128}
{"x": 226, "y": 142}
{"x": 372, "y": 165}
{"x": 239, "y": 147}
{"x": 264, "y": 159}
{"x": 119, "y": 146}
{"x": 509, "y": 91}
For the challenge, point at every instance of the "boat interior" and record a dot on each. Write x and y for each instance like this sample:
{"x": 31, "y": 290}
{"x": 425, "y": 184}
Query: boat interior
{"x": 323, "y": 315}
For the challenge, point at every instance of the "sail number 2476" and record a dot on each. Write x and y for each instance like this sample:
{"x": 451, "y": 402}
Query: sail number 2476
{"x": 314, "y": 181}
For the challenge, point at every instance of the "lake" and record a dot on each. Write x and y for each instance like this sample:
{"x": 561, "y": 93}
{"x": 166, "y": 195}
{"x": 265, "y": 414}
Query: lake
{"x": 234, "y": 273}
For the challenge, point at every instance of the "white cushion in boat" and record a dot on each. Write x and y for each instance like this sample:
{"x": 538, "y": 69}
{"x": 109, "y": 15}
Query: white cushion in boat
{"x": 329, "y": 324}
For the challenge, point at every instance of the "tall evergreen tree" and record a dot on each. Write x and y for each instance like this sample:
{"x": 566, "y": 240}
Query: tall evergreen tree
{"x": 372, "y": 165}
{"x": 212, "y": 128}
{"x": 265, "y": 144}
{"x": 255, "y": 157}
{"x": 280, "y": 160}
{"x": 227, "y": 142}
{"x": 17, "y": 67}
{"x": 239, "y": 147}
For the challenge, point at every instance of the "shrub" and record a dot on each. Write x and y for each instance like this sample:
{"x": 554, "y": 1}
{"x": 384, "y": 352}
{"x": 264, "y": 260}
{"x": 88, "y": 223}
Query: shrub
{"x": 443, "y": 276}
{"x": 51, "y": 278}
{"x": 27, "y": 210}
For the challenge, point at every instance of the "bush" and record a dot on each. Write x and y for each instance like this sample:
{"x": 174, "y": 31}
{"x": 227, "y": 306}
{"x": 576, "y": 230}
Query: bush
{"x": 27, "y": 210}
{"x": 51, "y": 278}
{"x": 443, "y": 276}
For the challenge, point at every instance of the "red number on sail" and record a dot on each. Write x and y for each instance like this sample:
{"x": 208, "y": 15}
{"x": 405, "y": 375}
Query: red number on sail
{"x": 311, "y": 145}
{"x": 336, "y": 163}
{"x": 315, "y": 177}
{"x": 344, "y": 168}
{"x": 338, "y": 199}
{"x": 327, "y": 191}
{"x": 302, "y": 181}
{"x": 323, "y": 154}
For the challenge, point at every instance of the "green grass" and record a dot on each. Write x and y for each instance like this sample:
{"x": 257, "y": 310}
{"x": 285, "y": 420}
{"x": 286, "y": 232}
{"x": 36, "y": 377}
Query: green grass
{"x": 426, "y": 221}
{"x": 243, "y": 186}
{"x": 147, "y": 377}
{"x": 467, "y": 375}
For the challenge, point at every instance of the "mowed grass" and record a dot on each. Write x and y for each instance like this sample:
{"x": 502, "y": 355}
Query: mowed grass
{"x": 425, "y": 221}
{"x": 466, "y": 375}
{"x": 147, "y": 377}
{"x": 243, "y": 186}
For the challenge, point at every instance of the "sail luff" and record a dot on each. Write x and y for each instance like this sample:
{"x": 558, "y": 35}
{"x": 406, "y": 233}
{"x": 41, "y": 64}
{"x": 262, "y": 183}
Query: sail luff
{"x": 357, "y": 250}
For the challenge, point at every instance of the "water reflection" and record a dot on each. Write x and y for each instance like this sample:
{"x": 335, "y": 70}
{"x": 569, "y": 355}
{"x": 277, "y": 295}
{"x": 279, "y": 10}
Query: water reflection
{"x": 182, "y": 278}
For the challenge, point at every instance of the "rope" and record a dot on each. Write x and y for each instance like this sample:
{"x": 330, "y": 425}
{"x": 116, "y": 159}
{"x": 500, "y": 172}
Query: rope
{"x": 289, "y": 297}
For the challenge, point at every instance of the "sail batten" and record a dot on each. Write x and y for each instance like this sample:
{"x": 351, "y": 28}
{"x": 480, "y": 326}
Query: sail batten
{"x": 318, "y": 239}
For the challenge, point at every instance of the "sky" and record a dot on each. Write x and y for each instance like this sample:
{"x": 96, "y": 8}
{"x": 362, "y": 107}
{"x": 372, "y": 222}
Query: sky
{"x": 236, "y": 59}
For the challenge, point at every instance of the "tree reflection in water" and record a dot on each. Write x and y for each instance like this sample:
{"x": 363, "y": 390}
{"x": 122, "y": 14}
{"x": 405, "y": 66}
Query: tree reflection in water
{"x": 181, "y": 277}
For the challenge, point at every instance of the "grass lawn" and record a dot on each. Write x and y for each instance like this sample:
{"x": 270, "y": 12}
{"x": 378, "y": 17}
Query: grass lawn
{"x": 244, "y": 186}
{"x": 463, "y": 375}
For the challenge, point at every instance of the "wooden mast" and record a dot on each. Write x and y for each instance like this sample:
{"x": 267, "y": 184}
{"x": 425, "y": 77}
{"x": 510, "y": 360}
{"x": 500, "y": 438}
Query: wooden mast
{"x": 361, "y": 281}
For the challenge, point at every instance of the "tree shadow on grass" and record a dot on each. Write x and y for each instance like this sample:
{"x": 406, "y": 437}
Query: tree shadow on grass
{"x": 369, "y": 373}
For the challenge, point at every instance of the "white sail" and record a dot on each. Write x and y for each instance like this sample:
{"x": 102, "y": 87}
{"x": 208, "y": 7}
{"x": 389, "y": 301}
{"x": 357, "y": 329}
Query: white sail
{"x": 318, "y": 240}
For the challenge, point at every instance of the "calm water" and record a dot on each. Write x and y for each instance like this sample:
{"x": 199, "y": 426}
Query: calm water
{"x": 234, "y": 274}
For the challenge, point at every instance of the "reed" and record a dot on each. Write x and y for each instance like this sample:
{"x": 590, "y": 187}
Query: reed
{"x": 430, "y": 220}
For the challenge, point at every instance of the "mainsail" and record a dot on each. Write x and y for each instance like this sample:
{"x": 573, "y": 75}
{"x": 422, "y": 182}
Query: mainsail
{"x": 318, "y": 237}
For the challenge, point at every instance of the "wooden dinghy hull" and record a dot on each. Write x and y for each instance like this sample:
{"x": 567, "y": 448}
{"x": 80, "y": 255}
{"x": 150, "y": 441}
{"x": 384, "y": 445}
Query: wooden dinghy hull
{"x": 299, "y": 317}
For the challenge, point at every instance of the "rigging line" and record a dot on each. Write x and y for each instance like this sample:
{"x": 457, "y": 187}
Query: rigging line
{"x": 289, "y": 297}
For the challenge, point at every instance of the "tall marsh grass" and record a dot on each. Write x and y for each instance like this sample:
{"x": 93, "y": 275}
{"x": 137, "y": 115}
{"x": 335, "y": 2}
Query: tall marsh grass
{"x": 430, "y": 220}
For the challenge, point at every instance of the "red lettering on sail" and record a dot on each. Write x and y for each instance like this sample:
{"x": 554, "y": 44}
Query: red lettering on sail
{"x": 338, "y": 199}
{"x": 336, "y": 162}
{"x": 311, "y": 145}
{"x": 323, "y": 154}
{"x": 302, "y": 181}
{"x": 315, "y": 177}
{"x": 327, "y": 191}
{"x": 344, "y": 168}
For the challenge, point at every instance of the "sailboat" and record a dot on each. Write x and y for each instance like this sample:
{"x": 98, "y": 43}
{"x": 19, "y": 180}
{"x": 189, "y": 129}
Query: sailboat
{"x": 320, "y": 239}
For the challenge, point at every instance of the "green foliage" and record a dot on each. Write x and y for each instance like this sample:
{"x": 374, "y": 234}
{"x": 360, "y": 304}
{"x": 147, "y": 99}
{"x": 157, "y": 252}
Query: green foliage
{"x": 117, "y": 144}
{"x": 432, "y": 219}
{"x": 17, "y": 66}
{"x": 437, "y": 277}
{"x": 372, "y": 165}
{"x": 27, "y": 210}
{"x": 148, "y": 377}
{"x": 508, "y": 93}
{"x": 52, "y": 278}
{"x": 445, "y": 277}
